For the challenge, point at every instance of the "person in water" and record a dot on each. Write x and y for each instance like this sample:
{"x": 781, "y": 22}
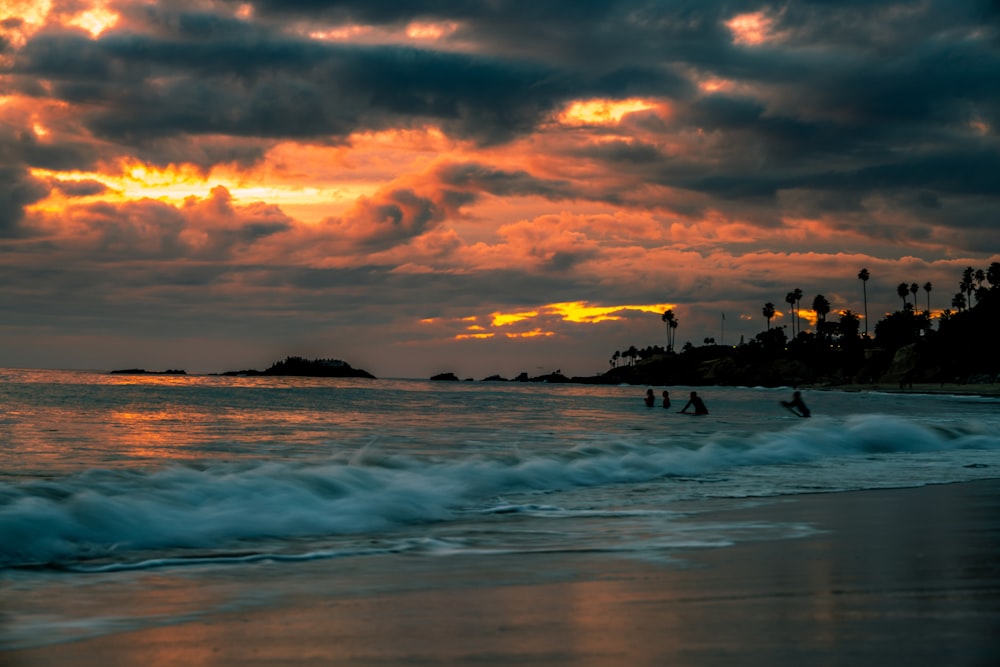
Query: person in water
{"x": 696, "y": 403}
{"x": 797, "y": 405}
{"x": 650, "y": 399}
{"x": 666, "y": 399}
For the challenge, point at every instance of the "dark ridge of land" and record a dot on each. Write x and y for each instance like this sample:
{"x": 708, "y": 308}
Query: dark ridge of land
{"x": 301, "y": 367}
{"x": 906, "y": 354}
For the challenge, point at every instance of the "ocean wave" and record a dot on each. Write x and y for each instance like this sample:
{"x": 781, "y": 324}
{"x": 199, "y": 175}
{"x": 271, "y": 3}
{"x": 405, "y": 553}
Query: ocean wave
{"x": 110, "y": 513}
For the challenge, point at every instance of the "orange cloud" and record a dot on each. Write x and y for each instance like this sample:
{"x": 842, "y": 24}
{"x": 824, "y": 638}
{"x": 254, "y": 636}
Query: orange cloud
{"x": 503, "y": 319}
{"x": 534, "y": 333}
{"x": 753, "y": 29}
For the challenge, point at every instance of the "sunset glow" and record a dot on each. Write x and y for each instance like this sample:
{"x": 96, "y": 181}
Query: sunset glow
{"x": 602, "y": 112}
{"x": 430, "y": 31}
{"x": 95, "y": 21}
{"x": 360, "y": 182}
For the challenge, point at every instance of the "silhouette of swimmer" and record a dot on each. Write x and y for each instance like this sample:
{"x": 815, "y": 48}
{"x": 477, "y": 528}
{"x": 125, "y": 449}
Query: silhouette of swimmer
{"x": 797, "y": 405}
{"x": 666, "y": 399}
{"x": 650, "y": 399}
{"x": 695, "y": 402}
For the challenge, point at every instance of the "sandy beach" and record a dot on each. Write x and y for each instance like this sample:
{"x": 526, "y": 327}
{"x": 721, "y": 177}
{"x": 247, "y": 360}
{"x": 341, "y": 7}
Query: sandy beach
{"x": 908, "y": 576}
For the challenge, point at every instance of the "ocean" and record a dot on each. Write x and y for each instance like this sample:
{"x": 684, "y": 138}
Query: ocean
{"x": 130, "y": 502}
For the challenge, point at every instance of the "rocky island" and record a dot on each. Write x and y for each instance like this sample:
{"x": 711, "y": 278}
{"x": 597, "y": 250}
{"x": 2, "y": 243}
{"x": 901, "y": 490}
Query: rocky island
{"x": 301, "y": 367}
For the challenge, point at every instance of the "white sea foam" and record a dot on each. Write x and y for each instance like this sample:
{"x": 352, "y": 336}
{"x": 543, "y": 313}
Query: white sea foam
{"x": 104, "y": 513}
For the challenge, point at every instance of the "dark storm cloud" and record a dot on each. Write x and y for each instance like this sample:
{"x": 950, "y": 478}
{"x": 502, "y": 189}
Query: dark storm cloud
{"x": 502, "y": 183}
{"x": 85, "y": 188}
{"x": 203, "y": 74}
{"x": 18, "y": 189}
{"x": 23, "y": 147}
{"x": 139, "y": 87}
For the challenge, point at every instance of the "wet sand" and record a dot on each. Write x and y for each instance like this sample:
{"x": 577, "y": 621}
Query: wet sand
{"x": 907, "y": 577}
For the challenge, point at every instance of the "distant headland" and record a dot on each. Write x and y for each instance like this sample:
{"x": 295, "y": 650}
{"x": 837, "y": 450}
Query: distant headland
{"x": 905, "y": 350}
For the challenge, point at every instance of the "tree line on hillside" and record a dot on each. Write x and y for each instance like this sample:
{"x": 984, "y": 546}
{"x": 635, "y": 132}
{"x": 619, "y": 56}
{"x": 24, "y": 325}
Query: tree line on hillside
{"x": 905, "y": 345}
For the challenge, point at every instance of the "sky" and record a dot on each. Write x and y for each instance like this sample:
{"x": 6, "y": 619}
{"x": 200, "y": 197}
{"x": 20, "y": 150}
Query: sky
{"x": 478, "y": 187}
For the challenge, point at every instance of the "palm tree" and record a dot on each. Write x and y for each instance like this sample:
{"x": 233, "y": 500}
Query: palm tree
{"x": 863, "y": 275}
{"x": 914, "y": 288}
{"x": 902, "y": 290}
{"x": 966, "y": 285}
{"x": 673, "y": 332}
{"x": 798, "y": 304}
{"x": 958, "y": 301}
{"x": 632, "y": 353}
{"x": 768, "y": 312}
{"x": 822, "y": 307}
{"x": 927, "y": 288}
{"x": 668, "y": 317}
{"x": 980, "y": 277}
{"x": 615, "y": 357}
{"x": 790, "y": 300}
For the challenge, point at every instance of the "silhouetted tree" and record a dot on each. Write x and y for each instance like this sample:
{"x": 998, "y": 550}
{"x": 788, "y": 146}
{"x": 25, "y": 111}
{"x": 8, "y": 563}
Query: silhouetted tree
{"x": 927, "y": 288}
{"x": 967, "y": 284}
{"x": 790, "y": 300}
{"x": 798, "y": 305}
{"x": 901, "y": 328}
{"x": 914, "y": 288}
{"x": 848, "y": 325}
{"x": 821, "y": 306}
{"x": 863, "y": 276}
{"x": 669, "y": 319}
{"x": 902, "y": 290}
{"x": 993, "y": 274}
{"x": 958, "y": 301}
{"x": 768, "y": 312}
{"x": 632, "y": 353}
{"x": 772, "y": 340}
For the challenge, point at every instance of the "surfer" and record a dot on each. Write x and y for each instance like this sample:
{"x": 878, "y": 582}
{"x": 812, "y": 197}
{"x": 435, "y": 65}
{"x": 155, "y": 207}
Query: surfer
{"x": 666, "y": 399}
{"x": 650, "y": 399}
{"x": 797, "y": 406}
{"x": 695, "y": 402}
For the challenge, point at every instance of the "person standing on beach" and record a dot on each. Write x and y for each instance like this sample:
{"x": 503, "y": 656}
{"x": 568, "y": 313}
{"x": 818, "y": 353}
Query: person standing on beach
{"x": 695, "y": 402}
{"x": 797, "y": 405}
{"x": 650, "y": 399}
{"x": 666, "y": 399}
